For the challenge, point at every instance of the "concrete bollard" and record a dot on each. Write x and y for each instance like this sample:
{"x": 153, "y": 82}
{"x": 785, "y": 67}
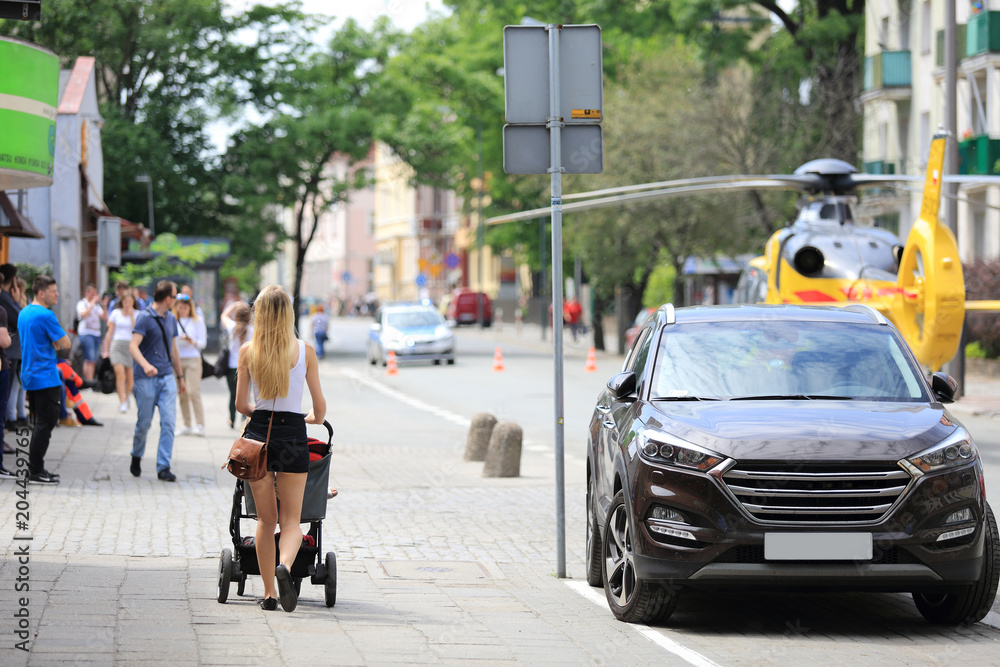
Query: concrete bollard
{"x": 478, "y": 439}
{"x": 503, "y": 459}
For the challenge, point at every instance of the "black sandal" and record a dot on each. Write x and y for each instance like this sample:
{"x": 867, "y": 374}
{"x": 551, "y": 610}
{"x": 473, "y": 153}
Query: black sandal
{"x": 269, "y": 604}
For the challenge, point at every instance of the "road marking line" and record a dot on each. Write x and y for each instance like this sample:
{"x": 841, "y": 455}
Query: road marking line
{"x": 684, "y": 653}
{"x": 403, "y": 398}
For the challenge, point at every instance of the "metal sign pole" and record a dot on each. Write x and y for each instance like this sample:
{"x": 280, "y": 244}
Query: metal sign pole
{"x": 555, "y": 123}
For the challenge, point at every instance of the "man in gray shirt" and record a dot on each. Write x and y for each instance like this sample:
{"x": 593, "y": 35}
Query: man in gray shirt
{"x": 157, "y": 371}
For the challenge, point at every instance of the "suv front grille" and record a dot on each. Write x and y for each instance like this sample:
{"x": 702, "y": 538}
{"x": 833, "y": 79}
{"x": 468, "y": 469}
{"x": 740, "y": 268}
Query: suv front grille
{"x": 799, "y": 493}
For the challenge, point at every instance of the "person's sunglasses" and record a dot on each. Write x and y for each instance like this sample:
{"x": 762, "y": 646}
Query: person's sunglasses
{"x": 183, "y": 297}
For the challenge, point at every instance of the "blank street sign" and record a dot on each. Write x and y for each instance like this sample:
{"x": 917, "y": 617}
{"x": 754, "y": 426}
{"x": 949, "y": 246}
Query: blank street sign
{"x": 526, "y": 149}
{"x": 526, "y": 74}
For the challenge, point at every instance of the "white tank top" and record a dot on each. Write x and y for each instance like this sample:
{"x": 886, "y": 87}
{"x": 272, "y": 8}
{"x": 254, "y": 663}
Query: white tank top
{"x": 296, "y": 384}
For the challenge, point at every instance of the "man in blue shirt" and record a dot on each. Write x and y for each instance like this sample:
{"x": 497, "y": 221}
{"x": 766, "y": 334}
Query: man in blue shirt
{"x": 156, "y": 364}
{"x": 41, "y": 336}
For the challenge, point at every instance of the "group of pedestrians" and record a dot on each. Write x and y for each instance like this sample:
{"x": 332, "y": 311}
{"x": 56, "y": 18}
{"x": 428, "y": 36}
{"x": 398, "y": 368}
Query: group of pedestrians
{"x": 269, "y": 370}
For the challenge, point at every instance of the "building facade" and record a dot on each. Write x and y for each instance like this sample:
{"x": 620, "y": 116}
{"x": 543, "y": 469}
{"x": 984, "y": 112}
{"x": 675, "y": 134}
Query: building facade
{"x": 904, "y": 103}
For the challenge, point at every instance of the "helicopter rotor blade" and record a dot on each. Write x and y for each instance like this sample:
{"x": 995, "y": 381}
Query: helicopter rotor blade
{"x": 759, "y": 184}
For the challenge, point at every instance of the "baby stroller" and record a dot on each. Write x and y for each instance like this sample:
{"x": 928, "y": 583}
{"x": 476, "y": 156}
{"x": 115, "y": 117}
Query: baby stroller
{"x": 241, "y": 561}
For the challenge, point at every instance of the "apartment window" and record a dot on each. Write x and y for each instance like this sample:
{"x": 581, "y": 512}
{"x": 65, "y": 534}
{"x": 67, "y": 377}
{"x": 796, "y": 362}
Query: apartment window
{"x": 927, "y": 28}
{"x": 978, "y": 234}
{"x": 925, "y": 138}
{"x": 888, "y": 222}
{"x": 904, "y": 25}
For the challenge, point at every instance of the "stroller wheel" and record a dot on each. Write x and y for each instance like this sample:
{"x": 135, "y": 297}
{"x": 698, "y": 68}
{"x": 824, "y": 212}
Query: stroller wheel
{"x": 241, "y": 584}
{"x": 297, "y": 583}
{"x": 330, "y": 585}
{"x": 225, "y": 574}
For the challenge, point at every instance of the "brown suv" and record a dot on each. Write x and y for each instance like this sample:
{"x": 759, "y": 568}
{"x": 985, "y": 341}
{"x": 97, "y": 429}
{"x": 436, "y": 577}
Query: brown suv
{"x": 787, "y": 447}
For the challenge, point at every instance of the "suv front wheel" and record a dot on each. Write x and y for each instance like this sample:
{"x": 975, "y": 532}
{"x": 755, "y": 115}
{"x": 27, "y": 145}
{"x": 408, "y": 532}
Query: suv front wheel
{"x": 631, "y": 599}
{"x": 973, "y": 603}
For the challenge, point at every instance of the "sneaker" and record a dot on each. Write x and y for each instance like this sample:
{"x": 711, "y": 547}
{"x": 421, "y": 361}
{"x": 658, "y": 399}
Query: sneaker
{"x": 68, "y": 421}
{"x": 166, "y": 475}
{"x": 183, "y": 430}
{"x": 135, "y": 468}
{"x": 51, "y": 474}
{"x": 4, "y": 473}
{"x": 42, "y": 478}
{"x": 123, "y": 408}
{"x": 198, "y": 430}
{"x": 286, "y": 590}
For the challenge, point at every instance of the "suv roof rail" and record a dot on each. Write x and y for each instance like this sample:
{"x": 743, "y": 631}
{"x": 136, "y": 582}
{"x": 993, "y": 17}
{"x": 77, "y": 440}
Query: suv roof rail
{"x": 867, "y": 310}
{"x": 666, "y": 311}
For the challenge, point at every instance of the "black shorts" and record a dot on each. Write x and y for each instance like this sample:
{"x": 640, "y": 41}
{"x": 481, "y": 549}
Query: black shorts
{"x": 288, "y": 446}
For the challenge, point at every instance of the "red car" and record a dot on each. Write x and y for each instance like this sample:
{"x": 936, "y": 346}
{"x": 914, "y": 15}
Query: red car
{"x": 464, "y": 309}
{"x": 633, "y": 331}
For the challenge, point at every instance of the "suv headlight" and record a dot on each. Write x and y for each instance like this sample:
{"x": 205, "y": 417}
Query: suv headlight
{"x": 954, "y": 451}
{"x": 662, "y": 448}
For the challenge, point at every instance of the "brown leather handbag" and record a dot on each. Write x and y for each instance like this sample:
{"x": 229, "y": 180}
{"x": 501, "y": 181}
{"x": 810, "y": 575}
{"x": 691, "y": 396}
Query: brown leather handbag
{"x": 247, "y": 458}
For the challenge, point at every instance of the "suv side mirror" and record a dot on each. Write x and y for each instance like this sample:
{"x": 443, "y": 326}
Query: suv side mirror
{"x": 622, "y": 385}
{"x": 944, "y": 387}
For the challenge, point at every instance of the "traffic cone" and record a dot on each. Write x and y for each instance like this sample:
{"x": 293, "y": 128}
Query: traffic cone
{"x": 390, "y": 364}
{"x": 591, "y": 366}
{"x": 497, "y": 361}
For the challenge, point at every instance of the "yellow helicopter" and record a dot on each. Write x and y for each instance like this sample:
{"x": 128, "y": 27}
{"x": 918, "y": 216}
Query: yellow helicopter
{"x": 824, "y": 258}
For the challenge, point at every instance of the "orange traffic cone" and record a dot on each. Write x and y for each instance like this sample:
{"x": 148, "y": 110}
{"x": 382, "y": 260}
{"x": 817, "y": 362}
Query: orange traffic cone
{"x": 497, "y": 361}
{"x": 390, "y": 364}
{"x": 591, "y": 366}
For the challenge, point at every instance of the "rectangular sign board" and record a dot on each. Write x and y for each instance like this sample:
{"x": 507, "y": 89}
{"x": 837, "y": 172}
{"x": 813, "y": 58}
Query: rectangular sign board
{"x": 526, "y": 74}
{"x": 21, "y": 10}
{"x": 526, "y": 149}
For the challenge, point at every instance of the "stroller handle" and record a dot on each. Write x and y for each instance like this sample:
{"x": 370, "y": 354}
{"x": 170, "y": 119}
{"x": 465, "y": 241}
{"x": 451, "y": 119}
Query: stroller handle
{"x": 329, "y": 429}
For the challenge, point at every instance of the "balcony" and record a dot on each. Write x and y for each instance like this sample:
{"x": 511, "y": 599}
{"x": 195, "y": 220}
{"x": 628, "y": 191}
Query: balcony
{"x": 880, "y": 167}
{"x": 889, "y": 69}
{"x": 983, "y": 34}
{"x": 961, "y": 33}
{"x": 978, "y": 156}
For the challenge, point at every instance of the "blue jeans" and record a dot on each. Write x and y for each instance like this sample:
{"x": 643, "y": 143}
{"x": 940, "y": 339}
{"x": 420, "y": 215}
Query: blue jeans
{"x": 91, "y": 347}
{"x": 159, "y": 391}
{"x": 320, "y": 344}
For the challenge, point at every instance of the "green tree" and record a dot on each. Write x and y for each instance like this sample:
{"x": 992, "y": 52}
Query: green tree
{"x": 165, "y": 70}
{"x": 325, "y": 108}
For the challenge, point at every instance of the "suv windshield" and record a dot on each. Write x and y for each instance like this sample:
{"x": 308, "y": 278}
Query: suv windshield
{"x": 792, "y": 359}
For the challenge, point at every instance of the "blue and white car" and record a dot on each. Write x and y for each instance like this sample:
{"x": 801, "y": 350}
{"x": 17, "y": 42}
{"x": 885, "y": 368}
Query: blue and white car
{"x": 413, "y": 332}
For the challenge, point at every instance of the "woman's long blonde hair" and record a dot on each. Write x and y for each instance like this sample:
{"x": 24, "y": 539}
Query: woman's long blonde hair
{"x": 273, "y": 349}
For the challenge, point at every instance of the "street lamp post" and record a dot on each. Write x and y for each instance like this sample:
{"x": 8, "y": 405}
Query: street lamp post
{"x": 480, "y": 230}
{"x": 145, "y": 178}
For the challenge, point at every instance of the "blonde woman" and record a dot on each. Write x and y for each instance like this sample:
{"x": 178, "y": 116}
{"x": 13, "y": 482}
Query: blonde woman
{"x": 190, "y": 343}
{"x": 116, "y": 341}
{"x": 237, "y": 321}
{"x": 280, "y": 367}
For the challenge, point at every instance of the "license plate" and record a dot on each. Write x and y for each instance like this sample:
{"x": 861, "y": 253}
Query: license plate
{"x": 817, "y": 546}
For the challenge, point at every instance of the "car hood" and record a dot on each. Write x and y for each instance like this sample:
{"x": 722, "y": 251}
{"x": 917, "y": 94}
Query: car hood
{"x": 786, "y": 430}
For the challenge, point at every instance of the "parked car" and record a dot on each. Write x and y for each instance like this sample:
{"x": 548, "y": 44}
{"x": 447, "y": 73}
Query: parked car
{"x": 463, "y": 307}
{"x": 785, "y": 447}
{"x": 413, "y": 332}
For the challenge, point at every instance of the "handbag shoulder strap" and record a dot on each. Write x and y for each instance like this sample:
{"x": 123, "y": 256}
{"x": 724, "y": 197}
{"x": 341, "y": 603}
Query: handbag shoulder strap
{"x": 270, "y": 421}
{"x": 152, "y": 313}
